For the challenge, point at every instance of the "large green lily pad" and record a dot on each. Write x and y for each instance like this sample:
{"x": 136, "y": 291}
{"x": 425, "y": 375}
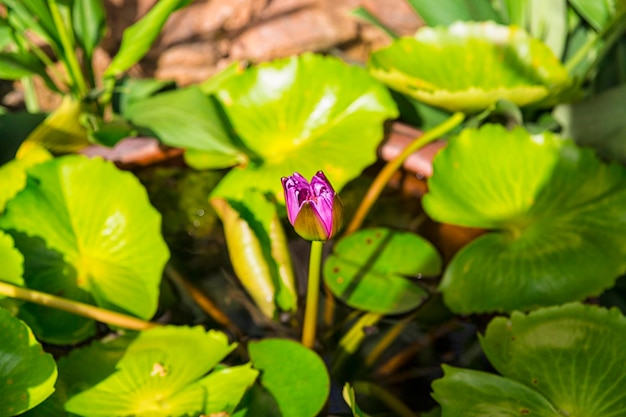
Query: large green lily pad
{"x": 27, "y": 374}
{"x": 557, "y": 361}
{"x": 303, "y": 114}
{"x": 376, "y": 270}
{"x": 88, "y": 232}
{"x": 162, "y": 373}
{"x": 554, "y": 211}
{"x": 468, "y": 66}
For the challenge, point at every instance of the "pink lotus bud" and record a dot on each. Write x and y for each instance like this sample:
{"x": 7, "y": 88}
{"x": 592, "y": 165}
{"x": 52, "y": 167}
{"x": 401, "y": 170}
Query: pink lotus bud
{"x": 314, "y": 209}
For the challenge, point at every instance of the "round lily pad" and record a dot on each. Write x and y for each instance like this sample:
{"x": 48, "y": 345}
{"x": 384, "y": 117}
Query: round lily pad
{"x": 557, "y": 361}
{"x": 468, "y": 66}
{"x": 27, "y": 374}
{"x": 303, "y": 114}
{"x": 87, "y": 232}
{"x": 295, "y": 377}
{"x": 158, "y": 375}
{"x": 554, "y": 214}
{"x": 376, "y": 270}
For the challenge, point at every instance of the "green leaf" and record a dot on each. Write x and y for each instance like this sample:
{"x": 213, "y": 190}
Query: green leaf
{"x": 349, "y": 397}
{"x": 295, "y": 377}
{"x": 597, "y": 122}
{"x": 469, "y": 393}
{"x": 15, "y": 65}
{"x": 303, "y": 114}
{"x": 138, "y": 38}
{"x": 27, "y": 373}
{"x": 62, "y": 131}
{"x": 11, "y": 260}
{"x": 34, "y": 15}
{"x": 88, "y": 17}
{"x": 364, "y": 14}
{"x": 157, "y": 376}
{"x": 13, "y": 175}
{"x": 445, "y": 12}
{"x": 439, "y": 67}
{"x": 187, "y": 118}
{"x": 127, "y": 90}
{"x": 226, "y": 387}
{"x": 596, "y": 12}
{"x": 86, "y": 240}
{"x": 553, "y": 211}
{"x": 258, "y": 251}
{"x": 376, "y": 270}
{"x": 573, "y": 355}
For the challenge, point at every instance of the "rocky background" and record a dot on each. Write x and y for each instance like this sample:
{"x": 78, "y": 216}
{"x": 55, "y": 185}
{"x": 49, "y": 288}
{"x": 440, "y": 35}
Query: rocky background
{"x": 207, "y": 35}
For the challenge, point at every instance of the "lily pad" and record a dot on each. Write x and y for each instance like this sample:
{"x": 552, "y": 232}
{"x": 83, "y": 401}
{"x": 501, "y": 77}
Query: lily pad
{"x": 294, "y": 376}
{"x": 376, "y": 270}
{"x": 556, "y": 361}
{"x": 553, "y": 211}
{"x": 158, "y": 375}
{"x": 11, "y": 260}
{"x": 27, "y": 374}
{"x": 81, "y": 238}
{"x": 13, "y": 174}
{"x": 303, "y": 114}
{"x": 468, "y": 66}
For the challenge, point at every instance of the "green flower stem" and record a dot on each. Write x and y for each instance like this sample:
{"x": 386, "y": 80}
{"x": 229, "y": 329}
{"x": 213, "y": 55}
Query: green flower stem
{"x": 392, "y": 166}
{"x": 74, "y": 307}
{"x": 69, "y": 54}
{"x": 312, "y": 295}
{"x": 398, "y": 407}
{"x": 353, "y": 338}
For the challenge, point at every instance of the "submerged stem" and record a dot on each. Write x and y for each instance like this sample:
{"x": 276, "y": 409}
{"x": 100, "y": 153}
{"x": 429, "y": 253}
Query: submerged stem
{"x": 75, "y": 307}
{"x": 312, "y": 295}
{"x": 392, "y": 166}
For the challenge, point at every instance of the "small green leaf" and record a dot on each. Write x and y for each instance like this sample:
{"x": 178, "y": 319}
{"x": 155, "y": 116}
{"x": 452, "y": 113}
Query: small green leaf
{"x": 446, "y": 12}
{"x": 27, "y": 373}
{"x": 349, "y": 397}
{"x": 303, "y": 114}
{"x": 81, "y": 239}
{"x": 88, "y": 18}
{"x": 189, "y": 119}
{"x": 553, "y": 211}
{"x": 439, "y": 67}
{"x": 15, "y": 65}
{"x": 34, "y": 15}
{"x": 596, "y": 12}
{"x": 294, "y": 376}
{"x": 376, "y": 270}
{"x": 138, "y": 38}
